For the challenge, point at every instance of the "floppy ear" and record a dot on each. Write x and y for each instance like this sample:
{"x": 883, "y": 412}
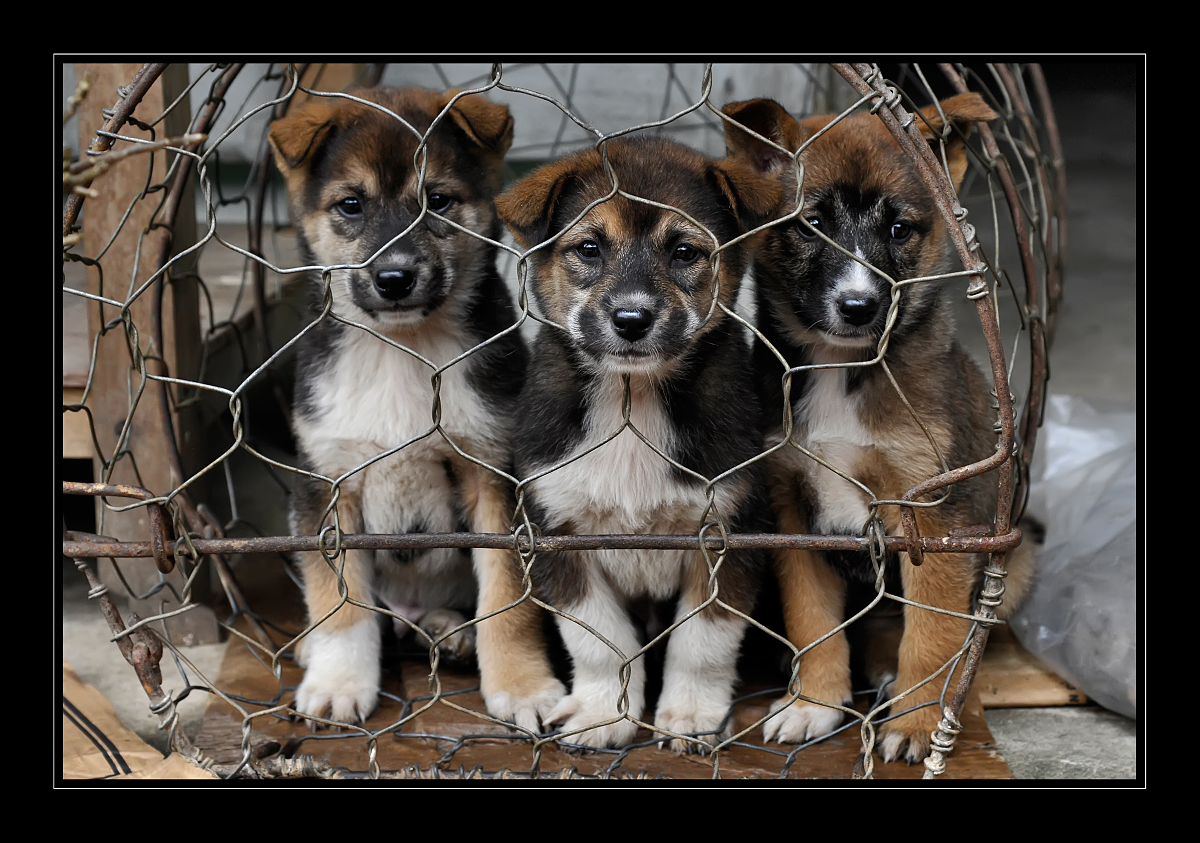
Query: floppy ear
{"x": 297, "y": 136}
{"x": 487, "y": 123}
{"x": 769, "y": 119}
{"x": 962, "y": 111}
{"x": 752, "y": 195}
{"x": 527, "y": 206}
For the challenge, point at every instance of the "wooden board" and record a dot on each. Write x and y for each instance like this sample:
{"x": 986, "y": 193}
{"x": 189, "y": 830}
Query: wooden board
{"x": 1011, "y": 677}
{"x": 76, "y": 432}
{"x": 453, "y": 734}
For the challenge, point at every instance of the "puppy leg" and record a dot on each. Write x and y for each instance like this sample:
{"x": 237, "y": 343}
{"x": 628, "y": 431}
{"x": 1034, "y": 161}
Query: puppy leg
{"x": 516, "y": 678}
{"x": 701, "y": 666}
{"x": 814, "y": 599}
{"x": 930, "y": 639}
{"x": 341, "y": 656}
{"x": 814, "y": 602}
{"x": 596, "y": 686}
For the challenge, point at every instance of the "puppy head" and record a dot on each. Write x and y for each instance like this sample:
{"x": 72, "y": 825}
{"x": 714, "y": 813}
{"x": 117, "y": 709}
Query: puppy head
{"x": 353, "y": 189}
{"x": 634, "y": 283}
{"x": 861, "y": 191}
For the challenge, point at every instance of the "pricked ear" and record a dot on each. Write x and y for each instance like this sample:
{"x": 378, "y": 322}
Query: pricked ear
{"x": 753, "y": 196}
{"x": 527, "y": 206}
{"x": 769, "y": 119}
{"x": 297, "y": 136}
{"x": 487, "y": 123}
{"x": 962, "y": 111}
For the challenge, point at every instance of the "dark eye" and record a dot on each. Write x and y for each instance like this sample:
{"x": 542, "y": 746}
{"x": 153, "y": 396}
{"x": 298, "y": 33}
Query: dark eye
{"x": 685, "y": 254}
{"x": 901, "y": 231}
{"x": 439, "y": 202}
{"x": 588, "y": 250}
{"x": 804, "y": 230}
{"x": 350, "y": 208}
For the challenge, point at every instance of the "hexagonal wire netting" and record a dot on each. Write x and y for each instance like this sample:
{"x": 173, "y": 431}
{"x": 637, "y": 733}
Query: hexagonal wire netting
{"x": 191, "y": 345}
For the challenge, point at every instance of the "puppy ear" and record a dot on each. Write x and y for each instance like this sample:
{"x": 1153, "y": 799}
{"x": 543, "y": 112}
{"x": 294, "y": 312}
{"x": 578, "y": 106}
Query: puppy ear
{"x": 487, "y": 123}
{"x": 752, "y": 196}
{"x": 769, "y": 119}
{"x": 962, "y": 111}
{"x": 297, "y": 136}
{"x": 527, "y": 206}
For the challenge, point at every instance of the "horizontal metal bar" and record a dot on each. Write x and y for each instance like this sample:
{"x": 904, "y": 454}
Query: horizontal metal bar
{"x": 78, "y": 547}
{"x": 106, "y": 489}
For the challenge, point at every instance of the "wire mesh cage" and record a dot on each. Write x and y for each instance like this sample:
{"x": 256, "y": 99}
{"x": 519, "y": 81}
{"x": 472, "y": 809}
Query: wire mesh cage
{"x": 179, "y": 244}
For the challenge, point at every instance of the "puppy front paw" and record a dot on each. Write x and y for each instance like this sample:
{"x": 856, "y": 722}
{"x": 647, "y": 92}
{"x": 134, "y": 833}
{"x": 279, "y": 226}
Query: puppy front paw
{"x": 341, "y": 680}
{"x": 908, "y": 737}
{"x": 590, "y": 714}
{"x": 702, "y": 722}
{"x": 800, "y": 721}
{"x": 528, "y": 704}
{"x": 317, "y": 697}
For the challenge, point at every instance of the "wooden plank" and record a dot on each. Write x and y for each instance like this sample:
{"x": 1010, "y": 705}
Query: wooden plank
{"x": 454, "y": 733}
{"x": 1009, "y": 676}
{"x": 77, "y": 435}
{"x": 127, "y": 262}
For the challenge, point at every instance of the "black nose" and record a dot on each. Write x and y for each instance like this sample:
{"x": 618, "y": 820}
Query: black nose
{"x": 395, "y": 284}
{"x": 858, "y": 310}
{"x": 632, "y": 325}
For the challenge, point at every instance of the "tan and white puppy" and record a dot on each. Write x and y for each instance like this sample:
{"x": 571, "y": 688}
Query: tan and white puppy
{"x": 633, "y": 288}
{"x": 402, "y": 261}
{"x": 818, "y": 305}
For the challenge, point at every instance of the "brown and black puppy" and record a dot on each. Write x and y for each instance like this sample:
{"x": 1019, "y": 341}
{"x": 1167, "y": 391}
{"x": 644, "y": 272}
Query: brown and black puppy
{"x": 820, "y": 306}
{"x": 639, "y": 399}
{"x": 406, "y": 260}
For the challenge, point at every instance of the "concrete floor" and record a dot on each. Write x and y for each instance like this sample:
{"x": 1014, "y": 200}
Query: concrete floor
{"x": 1095, "y": 356}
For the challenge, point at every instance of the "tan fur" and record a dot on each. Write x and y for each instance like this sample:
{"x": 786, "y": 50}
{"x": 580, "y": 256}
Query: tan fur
{"x": 322, "y": 591}
{"x": 510, "y": 646}
{"x": 802, "y": 574}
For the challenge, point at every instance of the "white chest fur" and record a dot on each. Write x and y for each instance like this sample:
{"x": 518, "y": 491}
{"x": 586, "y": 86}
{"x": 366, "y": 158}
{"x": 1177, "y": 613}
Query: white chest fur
{"x": 372, "y": 397}
{"x": 373, "y": 415}
{"x": 829, "y": 425}
{"x": 624, "y": 486}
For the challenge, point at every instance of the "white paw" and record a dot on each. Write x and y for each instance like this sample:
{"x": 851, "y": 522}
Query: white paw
{"x": 686, "y": 720}
{"x": 341, "y": 680}
{"x": 800, "y": 721}
{"x": 574, "y": 712}
{"x": 529, "y": 710}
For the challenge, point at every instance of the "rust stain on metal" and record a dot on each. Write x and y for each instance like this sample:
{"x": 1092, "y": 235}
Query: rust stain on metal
{"x": 547, "y": 544}
{"x": 161, "y": 535}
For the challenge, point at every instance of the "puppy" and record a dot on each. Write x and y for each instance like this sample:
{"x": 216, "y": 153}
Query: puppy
{"x": 819, "y": 306}
{"x": 636, "y": 292}
{"x": 406, "y": 266}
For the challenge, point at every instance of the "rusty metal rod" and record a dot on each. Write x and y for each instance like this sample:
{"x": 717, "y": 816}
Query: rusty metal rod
{"x": 903, "y": 128}
{"x": 134, "y": 91}
{"x": 1031, "y": 413}
{"x": 170, "y": 210}
{"x": 161, "y": 537}
{"x": 1056, "y": 240}
{"x": 550, "y": 544}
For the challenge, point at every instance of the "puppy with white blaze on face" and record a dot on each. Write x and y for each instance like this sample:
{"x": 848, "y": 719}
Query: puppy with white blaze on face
{"x": 639, "y": 403}
{"x": 412, "y": 285}
{"x": 826, "y": 285}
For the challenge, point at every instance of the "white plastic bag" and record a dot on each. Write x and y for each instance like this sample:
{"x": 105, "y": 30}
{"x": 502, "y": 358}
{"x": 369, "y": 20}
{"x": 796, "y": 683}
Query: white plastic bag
{"x": 1081, "y": 615}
